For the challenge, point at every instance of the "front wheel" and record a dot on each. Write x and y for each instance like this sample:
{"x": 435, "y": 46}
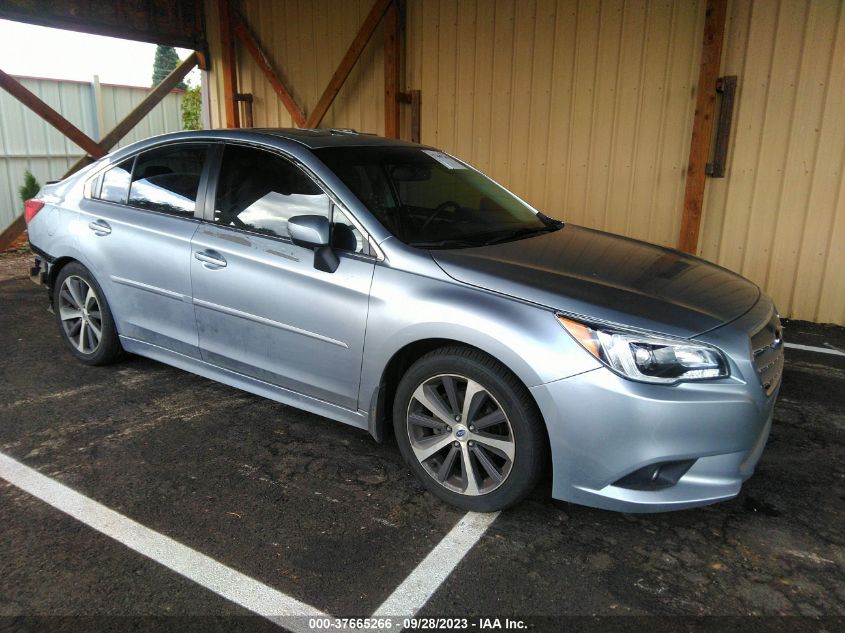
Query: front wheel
{"x": 84, "y": 318}
{"x": 469, "y": 429}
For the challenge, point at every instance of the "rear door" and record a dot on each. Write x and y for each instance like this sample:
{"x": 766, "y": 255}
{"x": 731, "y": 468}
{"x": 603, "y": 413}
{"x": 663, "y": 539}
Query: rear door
{"x": 137, "y": 229}
{"x": 262, "y": 309}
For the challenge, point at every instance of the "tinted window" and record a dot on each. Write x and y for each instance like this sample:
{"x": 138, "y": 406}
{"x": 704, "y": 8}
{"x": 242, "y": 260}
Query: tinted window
{"x": 167, "y": 179}
{"x": 259, "y": 191}
{"x": 115, "y": 182}
{"x": 429, "y": 199}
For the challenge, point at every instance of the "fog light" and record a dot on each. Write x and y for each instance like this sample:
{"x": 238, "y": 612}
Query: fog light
{"x": 655, "y": 476}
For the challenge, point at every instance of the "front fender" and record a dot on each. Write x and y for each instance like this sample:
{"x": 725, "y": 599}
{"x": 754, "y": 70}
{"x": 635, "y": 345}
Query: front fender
{"x": 406, "y": 308}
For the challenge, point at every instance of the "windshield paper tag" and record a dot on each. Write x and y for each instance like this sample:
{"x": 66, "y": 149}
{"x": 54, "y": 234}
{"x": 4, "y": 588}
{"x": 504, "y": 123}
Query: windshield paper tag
{"x": 444, "y": 159}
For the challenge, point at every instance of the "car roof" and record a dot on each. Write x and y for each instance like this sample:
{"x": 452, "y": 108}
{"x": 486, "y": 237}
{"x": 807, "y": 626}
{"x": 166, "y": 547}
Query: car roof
{"x": 329, "y": 137}
{"x": 312, "y": 138}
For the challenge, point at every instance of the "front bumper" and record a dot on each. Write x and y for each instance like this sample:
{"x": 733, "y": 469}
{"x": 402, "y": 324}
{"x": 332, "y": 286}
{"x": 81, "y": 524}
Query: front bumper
{"x": 603, "y": 427}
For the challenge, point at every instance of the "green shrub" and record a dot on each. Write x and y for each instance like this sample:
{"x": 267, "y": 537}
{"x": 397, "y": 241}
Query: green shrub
{"x": 30, "y": 187}
{"x": 192, "y": 109}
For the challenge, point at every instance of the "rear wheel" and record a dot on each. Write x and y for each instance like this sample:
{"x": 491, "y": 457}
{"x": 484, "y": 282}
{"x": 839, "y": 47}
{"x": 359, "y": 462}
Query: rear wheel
{"x": 469, "y": 429}
{"x": 83, "y": 316}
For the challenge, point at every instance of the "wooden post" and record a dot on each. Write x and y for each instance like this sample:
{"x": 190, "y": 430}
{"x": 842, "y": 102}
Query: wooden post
{"x": 414, "y": 98}
{"x": 392, "y": 65}
{"x": 14, "y": 87}
{"x": 702, "y": 125}
{"x": 348, "y": 62}
{"x": 263, "y": 62}
{"x": 228, "y": 65}
{"x": 246, "y": 99}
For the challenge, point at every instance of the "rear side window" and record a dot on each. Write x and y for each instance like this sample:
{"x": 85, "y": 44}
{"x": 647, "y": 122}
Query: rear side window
{"x": 167, "y": 179}
{"x": 115, "y": 183}
{"x": 259, "y": 191}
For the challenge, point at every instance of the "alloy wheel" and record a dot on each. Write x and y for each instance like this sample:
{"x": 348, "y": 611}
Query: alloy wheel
{"x": 80, "y": 314}
{"x": 460, "y": 434}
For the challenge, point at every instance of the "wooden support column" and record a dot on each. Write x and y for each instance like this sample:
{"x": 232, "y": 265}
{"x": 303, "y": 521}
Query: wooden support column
{"x": 414, "y": 99}
{"x": 348, "y": 62}
{"x": 246, "y": 99}
{"x": 228, "y": 65}
{"x": 702, "y": 126}
{"x": 263, "y": 62}
{"x": 392, "y": 66}
{"x": 14, "y": 87}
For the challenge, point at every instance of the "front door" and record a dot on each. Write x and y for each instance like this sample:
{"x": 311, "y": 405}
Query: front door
{"x": 262, "y": 309}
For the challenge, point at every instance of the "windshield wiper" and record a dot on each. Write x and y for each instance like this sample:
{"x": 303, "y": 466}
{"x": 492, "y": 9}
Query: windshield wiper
{"x": 449, "y": 243}
{"x": 520, "y": 233}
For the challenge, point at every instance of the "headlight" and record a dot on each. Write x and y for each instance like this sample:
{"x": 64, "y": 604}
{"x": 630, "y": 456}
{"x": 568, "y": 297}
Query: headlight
{"x": 648, "y": 358}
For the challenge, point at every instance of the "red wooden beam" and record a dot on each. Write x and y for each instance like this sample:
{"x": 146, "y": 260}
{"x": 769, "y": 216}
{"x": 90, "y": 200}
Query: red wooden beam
{"x": 12, "y": 233}
{"x": 348, "y": 62}
{"x": 702, "y": 125}
{"x": 254, "y": 48}
{"x": 14, "y": 87}
{"x": 392, "y": 64}
{"x": 228, "y": 64}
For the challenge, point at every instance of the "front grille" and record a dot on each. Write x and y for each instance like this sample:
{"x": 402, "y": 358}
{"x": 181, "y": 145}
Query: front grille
{"x": 767, "y": 346}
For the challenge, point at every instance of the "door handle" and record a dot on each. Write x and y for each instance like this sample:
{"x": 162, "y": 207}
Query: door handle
{"x": 100, "y": 227}
{"x": 210, "y": 259}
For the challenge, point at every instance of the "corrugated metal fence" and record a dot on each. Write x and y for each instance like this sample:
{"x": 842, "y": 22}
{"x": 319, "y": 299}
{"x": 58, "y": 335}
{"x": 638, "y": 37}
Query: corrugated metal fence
{"x": 29, "y": 142}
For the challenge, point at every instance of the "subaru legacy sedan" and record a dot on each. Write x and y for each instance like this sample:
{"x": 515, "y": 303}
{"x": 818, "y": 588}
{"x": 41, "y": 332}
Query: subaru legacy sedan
{"x": 393, "y": 287}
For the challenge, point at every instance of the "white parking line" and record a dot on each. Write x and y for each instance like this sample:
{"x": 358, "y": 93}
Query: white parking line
{"x": 247, "y": 592}
{"x": 811, "y": 348}
{"x": 435, "y": 568}
{"x": 203, "y": 570}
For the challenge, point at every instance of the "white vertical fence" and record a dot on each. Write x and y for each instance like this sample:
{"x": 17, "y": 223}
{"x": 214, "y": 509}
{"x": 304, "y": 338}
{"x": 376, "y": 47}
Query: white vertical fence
{"x": 29, "y": 142}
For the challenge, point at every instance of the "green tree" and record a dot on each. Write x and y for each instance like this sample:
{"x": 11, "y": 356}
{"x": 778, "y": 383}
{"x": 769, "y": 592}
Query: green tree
{"x": 166, "y": 60}
{"x": 192, "y": 109}
{"x": 30, "y": 187}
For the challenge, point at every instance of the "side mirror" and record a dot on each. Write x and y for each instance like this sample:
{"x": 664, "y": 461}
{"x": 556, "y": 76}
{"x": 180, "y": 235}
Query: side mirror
{"x": 314, "y": 232}
{"x": 310, "y": 231}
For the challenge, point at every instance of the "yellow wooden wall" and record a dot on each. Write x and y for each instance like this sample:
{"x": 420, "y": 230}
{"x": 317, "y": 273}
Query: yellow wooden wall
{"x": 305, "y": 40}
{"x": 584, "y": 108}
{"x": 779, "y": 216}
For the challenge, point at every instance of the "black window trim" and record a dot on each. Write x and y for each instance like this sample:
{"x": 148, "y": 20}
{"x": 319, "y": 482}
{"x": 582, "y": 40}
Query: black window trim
{"x": 210, "y": 145}
{"x": 373, "y": 251}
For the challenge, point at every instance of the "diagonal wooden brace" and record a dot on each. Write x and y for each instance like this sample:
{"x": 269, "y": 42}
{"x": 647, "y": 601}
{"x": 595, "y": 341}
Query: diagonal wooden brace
{"x": 31, "y": 101}
{"x": 253, "y": 47}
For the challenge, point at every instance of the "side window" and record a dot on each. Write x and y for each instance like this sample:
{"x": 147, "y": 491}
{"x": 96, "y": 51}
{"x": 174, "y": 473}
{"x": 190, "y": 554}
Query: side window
{"x": 115, "y": 183}
{"x": 259, "y": 191}
{"x": 345, "y": 236}
{"x": 167, "y": 179}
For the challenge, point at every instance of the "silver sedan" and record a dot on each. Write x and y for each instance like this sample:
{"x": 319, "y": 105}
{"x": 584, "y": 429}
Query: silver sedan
{"x": 392, "y": 287}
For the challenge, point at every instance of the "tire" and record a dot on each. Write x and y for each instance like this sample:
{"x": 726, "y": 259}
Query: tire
{"x": 477, "y": 468}
{"x": 75, "y": 286}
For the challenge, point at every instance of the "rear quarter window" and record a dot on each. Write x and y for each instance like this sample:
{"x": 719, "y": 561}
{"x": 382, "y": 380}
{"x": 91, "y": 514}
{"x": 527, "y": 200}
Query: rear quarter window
{"x": 114, "y": 183}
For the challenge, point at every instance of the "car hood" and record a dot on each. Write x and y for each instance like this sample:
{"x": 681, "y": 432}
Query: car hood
{"x": 607, "y": 277}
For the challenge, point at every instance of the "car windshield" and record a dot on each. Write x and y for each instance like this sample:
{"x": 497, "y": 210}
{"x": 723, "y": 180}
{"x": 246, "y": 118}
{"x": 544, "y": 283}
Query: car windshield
{"x": 429, "y": 199}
